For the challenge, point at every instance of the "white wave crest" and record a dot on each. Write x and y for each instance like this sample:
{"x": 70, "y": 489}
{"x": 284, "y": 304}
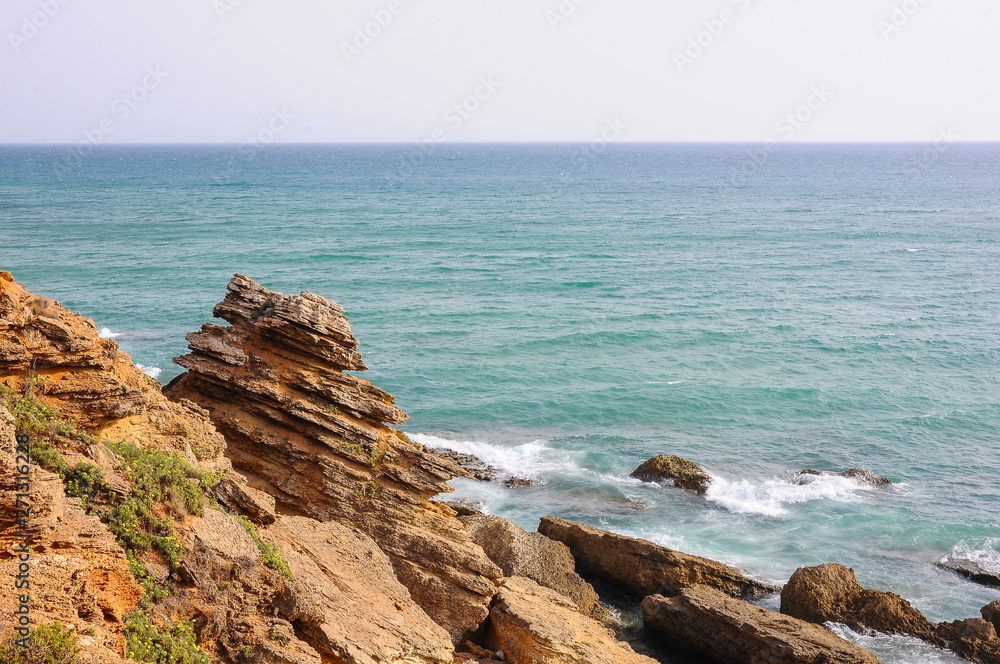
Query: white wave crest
{"x": 986, "y": 555}
{"x": 106, "y": 333}
{"x": 769, "y": 497}
{"x": 524, "y": 460}
{"x": 152, "y": 372}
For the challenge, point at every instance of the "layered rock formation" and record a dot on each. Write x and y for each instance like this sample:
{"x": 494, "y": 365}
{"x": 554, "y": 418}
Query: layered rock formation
{"x": 532, "y": 624}
{"x": 313, "y": 436}
{"x": 831, "y": 593}
{"x": 60, "y": 358}
{"x": 643, "y": 568}
{"x": 685, "y": 474}
{"x": 707, "y": 622}
{"x": 536, "y": 557}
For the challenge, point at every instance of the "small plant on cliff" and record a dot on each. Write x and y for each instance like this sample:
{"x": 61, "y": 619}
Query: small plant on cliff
{"x": 146, "y": 642}
{"x": 47, "y": 644}
{"x": 270, "y": 556}
{"x": 331, "y": 410}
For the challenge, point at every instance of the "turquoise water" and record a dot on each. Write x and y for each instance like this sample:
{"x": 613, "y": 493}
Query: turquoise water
{"x": 566, "y": 314}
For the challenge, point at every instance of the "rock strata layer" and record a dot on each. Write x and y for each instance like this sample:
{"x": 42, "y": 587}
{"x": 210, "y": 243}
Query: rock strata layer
{"x": 532, "y": 555}
{"x": 532, "y": 624}
{"x": 314, "y": 437}
{"x": 685, "y": 474}
{"x": 704, "y": 621}
{"x": 643, "y": 568}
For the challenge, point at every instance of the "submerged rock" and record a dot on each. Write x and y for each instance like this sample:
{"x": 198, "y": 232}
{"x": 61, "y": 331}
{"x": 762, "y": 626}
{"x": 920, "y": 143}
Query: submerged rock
{"x": 644, "y": 568}
{"x": 534, "y": 556}
{"x": 856, "y": 474}
{"x": 707, "y": 622}
{"x": 532, "y": 624}
{"x": 313, "y": 436}
{"x": 973, "y": 571}
{"x": 685, "y": 474}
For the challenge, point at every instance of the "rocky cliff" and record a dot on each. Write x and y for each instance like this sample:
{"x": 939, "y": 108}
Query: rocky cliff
{"x": 316, "y": 438}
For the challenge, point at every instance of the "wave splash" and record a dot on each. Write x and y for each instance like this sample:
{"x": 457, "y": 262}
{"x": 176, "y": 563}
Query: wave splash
{"x": 524, "y": 460}
{"x": 986, "y": 555}
{"x": 106, "y": 333}
{"x": 152, "y": 372}
{"x": 770, "y": 497}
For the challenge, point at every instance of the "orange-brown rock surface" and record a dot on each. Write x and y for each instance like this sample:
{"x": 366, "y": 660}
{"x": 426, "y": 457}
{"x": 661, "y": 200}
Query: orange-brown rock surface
{"x": 831, "y": 593}
{"x": 684, "y": 474}
{"x": 707, "y": 622}
{"x": 314, "y": 437}
{"x": 643, "y": 568}
{"x": 60, "y": 357}
{"x": 78, "y": 574}
{"x": 533, "y": 624}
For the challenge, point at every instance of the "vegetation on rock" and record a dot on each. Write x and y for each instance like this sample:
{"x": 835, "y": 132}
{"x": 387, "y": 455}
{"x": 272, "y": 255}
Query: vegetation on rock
{"x": 47, "y": 644}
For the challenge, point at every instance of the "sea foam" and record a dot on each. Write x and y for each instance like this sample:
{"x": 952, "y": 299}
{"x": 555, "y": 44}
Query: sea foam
{"x": 152, "y": 372}
{"x": 524, "y": 460}
{"x": 771, "y": 496}
{"x": 106, "y": 333}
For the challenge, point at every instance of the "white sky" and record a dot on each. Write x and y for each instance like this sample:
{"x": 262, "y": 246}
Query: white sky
{"x": 609, "y": 61}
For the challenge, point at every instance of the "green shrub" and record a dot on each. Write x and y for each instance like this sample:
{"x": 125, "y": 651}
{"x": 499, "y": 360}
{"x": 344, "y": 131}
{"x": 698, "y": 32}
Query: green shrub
{"x": 270, "y": 556}
{"x": 146, "y": 642}
{"x": 47, "y": 644}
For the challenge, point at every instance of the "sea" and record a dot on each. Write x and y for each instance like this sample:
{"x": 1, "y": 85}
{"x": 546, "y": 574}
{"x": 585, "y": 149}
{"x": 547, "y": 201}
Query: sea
{"x": 566, "y": 311}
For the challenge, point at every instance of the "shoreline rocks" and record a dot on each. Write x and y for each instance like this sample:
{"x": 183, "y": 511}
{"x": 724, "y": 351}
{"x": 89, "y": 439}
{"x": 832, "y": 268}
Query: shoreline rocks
{"x": 973, "y": 571}
{"x": 685, "y": 474}
{"x": 644, "y": 568}
{"x": 707, "y": 622}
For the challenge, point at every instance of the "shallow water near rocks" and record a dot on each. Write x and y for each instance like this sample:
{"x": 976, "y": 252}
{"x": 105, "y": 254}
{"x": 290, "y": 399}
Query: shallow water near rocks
{"x": 566, "y": 318}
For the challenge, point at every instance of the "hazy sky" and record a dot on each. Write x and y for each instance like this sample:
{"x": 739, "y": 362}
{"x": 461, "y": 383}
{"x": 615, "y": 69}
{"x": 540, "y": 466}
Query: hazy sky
{"x": 507, "y": 70}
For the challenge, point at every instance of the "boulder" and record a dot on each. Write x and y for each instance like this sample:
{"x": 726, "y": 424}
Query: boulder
{"x": 685, "y": 474}
{"x": 991, "y": 613}
{"x": 974, "y": 639}
{"x": 707, "y": 622}
{"x": 346, "y": 598}
{"x": 251, "y": 503}
{"x": 643, "y": 568}
{"x": 532, "y": 624}
{"x": 315, "y": 437}
{"x": 831, "y": 593}
{"x": 532, "y": 555}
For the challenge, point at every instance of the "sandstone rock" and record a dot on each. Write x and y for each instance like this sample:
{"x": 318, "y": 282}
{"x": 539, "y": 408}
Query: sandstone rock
{"x": 973, "y": 570}
{"x": 221, "y": 533}
{"x": 831, "y": 593}
{"x": 705, "y": 621}
{"x": 302, "y": 430}
{"x": 532, "y": 624}
{"x": 973, "y": 638}
{"x": 685, "y": 474}
{"x": 991, "y": 613}
{"x": 79, "y": 575}
{"x": 532, "y": 555}
{"x": 60, "y": 357}
{"x": 347, "y": 598}
{"x": 643, "y": 568}
{"x": 251, "y": 503}
{"x": 856, "y": 474}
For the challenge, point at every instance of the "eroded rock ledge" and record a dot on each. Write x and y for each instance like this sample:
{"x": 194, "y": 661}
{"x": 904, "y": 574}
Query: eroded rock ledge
{"x": 315, "y": 438}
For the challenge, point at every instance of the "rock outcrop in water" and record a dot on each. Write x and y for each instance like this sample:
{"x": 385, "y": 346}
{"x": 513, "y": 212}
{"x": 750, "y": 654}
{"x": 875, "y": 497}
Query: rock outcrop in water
{"x": 643, "y": 568}
{"x": 313, "y": 436}
{"x": 685, "y": 474}
{"x": 973, "y": 570}
{"x": 831, "y": 593}
{"x": 709, "y": 623}
{"x": 856, "y": 474}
